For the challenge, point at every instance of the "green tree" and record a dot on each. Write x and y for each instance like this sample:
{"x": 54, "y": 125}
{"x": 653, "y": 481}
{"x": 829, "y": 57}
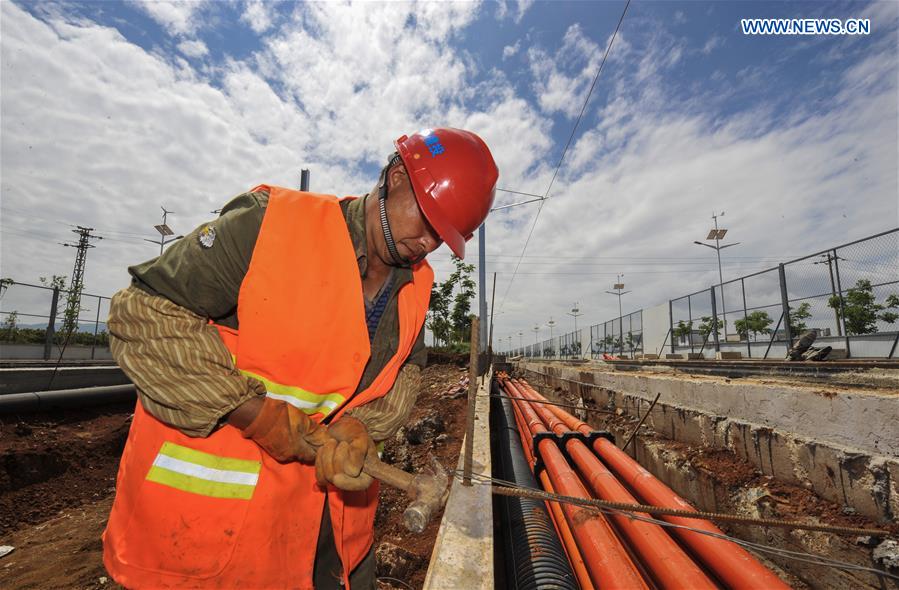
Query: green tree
{"x": 755, "y": 323}
{"x": 797, "y": 325}
{"x": 54, "y": 282}
{"x": 449, "y": 310}
{"x": 461, "y": 314}
{"x": 705, "y": 326}
{"x": 862, "y": 310}
{"x": 10, "y": 326}
{"x": 608, "y": 341}
{"x": 683, "y": 330}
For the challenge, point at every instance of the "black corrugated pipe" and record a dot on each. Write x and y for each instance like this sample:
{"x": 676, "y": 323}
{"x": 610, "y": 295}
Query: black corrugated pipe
{"x": 66, "y": 398}
{"x": 533, "y": 555}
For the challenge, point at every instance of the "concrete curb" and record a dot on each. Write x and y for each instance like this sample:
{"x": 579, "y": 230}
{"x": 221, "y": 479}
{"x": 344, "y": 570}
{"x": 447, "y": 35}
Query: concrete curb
{"x": 463, "y": 552}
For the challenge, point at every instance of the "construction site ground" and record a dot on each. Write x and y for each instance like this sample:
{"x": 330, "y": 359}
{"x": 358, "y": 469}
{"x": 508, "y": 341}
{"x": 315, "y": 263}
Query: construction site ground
{"x": 57, "y": 478}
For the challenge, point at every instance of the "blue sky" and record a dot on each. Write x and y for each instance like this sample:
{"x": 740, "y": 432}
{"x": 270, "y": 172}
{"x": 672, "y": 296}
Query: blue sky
{"x": 111, "y": 109}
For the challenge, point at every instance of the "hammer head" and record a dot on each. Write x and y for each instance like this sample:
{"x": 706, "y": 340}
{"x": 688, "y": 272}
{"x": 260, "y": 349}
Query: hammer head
{"x": 428, "y": 492}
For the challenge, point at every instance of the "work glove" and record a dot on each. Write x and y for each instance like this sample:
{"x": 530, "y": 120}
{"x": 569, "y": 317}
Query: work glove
{"x": 339, "y": 461}
{"x": 285, "y": 432}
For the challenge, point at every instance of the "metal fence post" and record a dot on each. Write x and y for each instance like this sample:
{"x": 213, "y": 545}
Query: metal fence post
{"x": 715, "y": 321}
{"x": 746, "y": 319}
{"x": 785, "y": 304}
{"x": 96, "y": 327}
{"x": 671, "y": 322}
{"x": 836, "y": 266}
{"x": 51, "y": 324}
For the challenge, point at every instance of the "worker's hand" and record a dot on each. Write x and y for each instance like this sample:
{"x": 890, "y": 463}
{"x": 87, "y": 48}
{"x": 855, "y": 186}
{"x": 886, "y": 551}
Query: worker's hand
{"x": 339, "y": 462}
{"x": 285, "y": 432}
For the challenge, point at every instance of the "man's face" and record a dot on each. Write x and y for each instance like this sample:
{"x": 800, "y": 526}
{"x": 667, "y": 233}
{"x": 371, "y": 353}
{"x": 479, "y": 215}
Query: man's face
{"x": 414, "y": 236}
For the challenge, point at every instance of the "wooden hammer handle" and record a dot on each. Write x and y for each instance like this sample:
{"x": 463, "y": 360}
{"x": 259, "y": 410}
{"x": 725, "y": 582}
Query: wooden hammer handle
{"x": 388, "y": 474}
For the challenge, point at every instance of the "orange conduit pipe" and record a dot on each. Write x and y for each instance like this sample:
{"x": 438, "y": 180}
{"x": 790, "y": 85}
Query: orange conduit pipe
{"x": 732, "y": 564}
{"x": 562, "y": 528}
{"x": 663, "y": 558}
{"x": 606, "y": 560}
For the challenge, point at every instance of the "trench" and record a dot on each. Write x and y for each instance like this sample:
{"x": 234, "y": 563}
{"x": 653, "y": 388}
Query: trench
{"x": 721, "y": 466}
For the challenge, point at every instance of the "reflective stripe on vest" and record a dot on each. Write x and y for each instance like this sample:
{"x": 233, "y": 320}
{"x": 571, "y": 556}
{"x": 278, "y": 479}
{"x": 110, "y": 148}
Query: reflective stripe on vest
{"x": 201, "y": 473}
{"x": 310, "y": 403}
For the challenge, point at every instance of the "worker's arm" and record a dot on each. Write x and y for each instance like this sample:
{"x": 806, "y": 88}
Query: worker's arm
{"x": 384, "y": 416}
{"x": 183, "y": 372}
{"x": 159, "y": 330}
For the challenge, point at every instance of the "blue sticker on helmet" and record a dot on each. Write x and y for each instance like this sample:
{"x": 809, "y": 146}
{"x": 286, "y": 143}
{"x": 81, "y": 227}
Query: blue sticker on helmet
{"x": 434, "y": 145}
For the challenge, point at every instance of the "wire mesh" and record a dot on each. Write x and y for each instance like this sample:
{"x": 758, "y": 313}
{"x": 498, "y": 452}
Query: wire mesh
{"x": 25, "y": 316}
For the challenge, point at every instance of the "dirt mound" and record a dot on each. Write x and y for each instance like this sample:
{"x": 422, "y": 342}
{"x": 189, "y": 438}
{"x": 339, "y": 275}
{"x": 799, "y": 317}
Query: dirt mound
{"x": 49, "y": 464}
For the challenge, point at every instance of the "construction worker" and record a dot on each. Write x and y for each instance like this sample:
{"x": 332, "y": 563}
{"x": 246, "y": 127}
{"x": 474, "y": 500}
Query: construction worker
{"x": 271, "y": 349}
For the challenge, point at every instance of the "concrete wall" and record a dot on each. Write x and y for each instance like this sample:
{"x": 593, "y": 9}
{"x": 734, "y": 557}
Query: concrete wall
{"x": 655, "y": 328}
{"x": 36, "y": 351}
{"x": 840, "y": 443}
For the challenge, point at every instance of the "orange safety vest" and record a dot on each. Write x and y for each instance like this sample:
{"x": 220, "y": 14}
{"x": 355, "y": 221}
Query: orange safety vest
{"x": 218, "y": 512}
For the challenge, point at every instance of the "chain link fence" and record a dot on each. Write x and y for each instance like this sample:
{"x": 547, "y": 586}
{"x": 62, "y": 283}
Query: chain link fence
{"x": 34, "y": 323}
{"x": 620, "y": 336}
{"x": 847, "y": 295}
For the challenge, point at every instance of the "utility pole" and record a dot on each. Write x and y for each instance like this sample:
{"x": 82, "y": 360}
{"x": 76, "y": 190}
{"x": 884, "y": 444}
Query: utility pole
{"x": 304, "y": 180}
{"x": 718, "y": 235}
{"x": 831, "y": 258}
{"x": 482, "y": 283}
{"x": 164, "y": 231}
{"x": 618, "y": 291}
{"x": 76, "y": 286}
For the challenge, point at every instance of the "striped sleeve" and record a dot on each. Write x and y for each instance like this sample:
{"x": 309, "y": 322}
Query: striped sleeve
{"x": 183, "y": 372}
{"x": 384, "y": 416}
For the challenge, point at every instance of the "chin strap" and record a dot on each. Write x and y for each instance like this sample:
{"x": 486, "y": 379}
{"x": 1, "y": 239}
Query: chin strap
{"x": 382, "y": 210}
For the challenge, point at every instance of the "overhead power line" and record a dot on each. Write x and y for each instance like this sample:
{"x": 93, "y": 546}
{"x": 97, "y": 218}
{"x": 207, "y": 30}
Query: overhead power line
{"x": 565, "y": 151}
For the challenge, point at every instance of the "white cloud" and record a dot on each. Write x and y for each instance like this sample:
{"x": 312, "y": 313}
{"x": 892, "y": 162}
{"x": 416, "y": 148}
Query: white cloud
{"x": 193, "y": 48}
{"x": 521, "y": 7}
{"x": 713, "y": 42}
{"x": 176, "y": 16}
{"x": 511, "y": 50}
{"x": 125, "y": 131}
{"x": 562, "y": 79}
{"x": 258, "y": 15}
{"x": 99, "y": 132}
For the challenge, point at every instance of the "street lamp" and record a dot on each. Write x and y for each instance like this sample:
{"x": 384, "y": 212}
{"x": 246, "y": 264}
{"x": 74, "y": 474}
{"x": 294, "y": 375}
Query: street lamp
{"x": 510, "y": 343}
{"x": 164, "y": 231}
{"x": 718, "y": 235}
{"x": 536, "y": 331}
{"x": 551, "y": 323}
{"x": 618, "y": 291}
{"x": 521, "y": 339}
{"x": 574, "y": 313}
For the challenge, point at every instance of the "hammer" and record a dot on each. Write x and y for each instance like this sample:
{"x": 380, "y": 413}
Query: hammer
{"x": 428, "y": 491}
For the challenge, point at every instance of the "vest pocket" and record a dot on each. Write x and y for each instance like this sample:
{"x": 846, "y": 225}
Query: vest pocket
{"x": 190, "y": 509}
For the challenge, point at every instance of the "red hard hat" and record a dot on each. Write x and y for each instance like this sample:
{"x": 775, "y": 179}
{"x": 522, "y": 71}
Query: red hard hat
{"x": 453, "y": 177}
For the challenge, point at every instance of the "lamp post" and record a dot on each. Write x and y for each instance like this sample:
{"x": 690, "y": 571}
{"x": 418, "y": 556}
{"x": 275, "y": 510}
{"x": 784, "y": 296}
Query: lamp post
{"x": 536, "y": 331}
{"x": 619, "y": 292}
{"x": 521, "y": 339}
{"x": 164, "y": 231}
{"x": 574, "y": 313}
{"x": 718, "y": 235}
{"x": 510, "y": 343}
